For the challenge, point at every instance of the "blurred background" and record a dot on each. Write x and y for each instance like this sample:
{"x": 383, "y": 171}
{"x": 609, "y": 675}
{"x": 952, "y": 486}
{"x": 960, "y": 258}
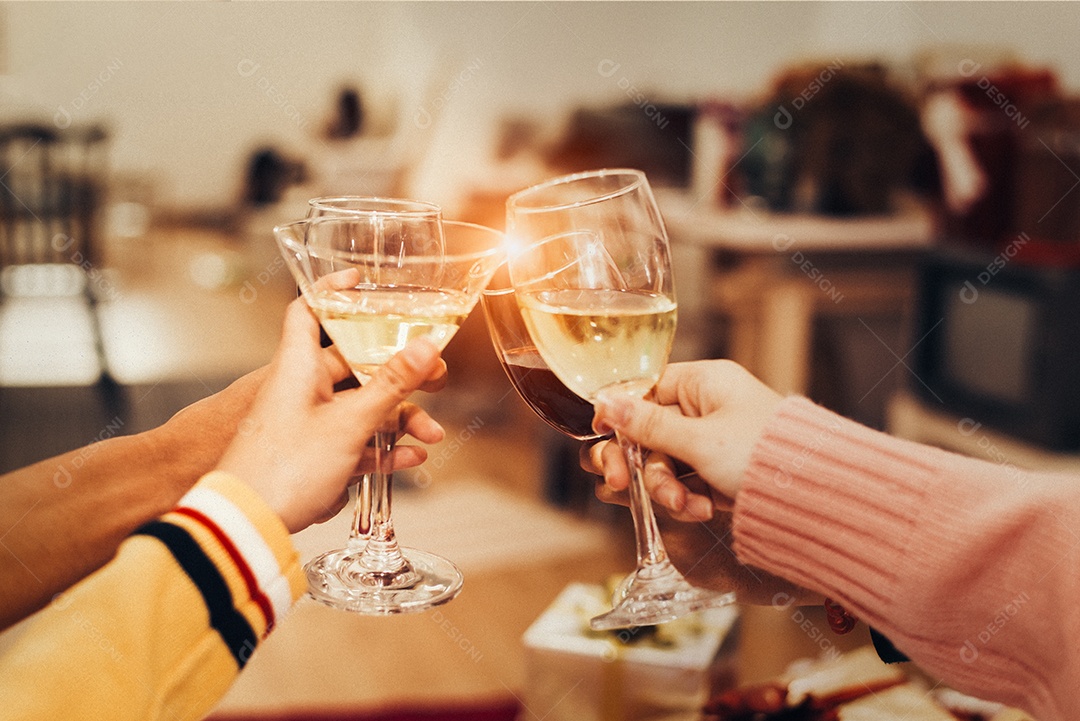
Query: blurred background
{"x": 873, "y": 204}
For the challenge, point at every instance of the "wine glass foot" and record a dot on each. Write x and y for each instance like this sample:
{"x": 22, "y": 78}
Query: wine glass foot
{"x": 655, "y": 594}
{"x": 338, "y": 579}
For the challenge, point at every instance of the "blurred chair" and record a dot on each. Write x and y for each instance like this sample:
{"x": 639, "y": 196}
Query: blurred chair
{"x": 52, "y": 186}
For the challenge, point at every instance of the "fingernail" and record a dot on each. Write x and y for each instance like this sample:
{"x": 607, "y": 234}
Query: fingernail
{"x": 615, "y": 410}
{"x": 700, "y": 508}
{"x": 420, "y": 351}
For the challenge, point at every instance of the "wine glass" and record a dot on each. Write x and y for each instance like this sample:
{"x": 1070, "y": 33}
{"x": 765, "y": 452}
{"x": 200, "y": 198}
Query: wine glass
{"x": 549, "y": 398}
{"x": 592, "y": 277}
{"x": 423, "y": 214}
{"x": 375, "y": 281}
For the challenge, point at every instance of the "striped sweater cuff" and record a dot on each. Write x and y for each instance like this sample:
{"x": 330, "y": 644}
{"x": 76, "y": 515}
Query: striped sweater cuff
{"x": 239, "y": 555}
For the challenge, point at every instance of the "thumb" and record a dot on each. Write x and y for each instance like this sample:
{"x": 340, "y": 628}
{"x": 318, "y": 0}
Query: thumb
{"x": 395, "y": 381}
{"x": 649, "y": 424}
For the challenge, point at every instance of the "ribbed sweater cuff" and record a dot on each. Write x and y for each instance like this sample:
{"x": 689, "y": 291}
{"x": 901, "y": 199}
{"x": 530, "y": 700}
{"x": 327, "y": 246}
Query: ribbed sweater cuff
{"x": 830, "y": 505}
{"x": 248, "y": 544}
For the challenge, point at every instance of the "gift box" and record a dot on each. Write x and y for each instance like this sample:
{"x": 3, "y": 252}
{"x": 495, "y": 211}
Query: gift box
{"x": 654, "y": 672}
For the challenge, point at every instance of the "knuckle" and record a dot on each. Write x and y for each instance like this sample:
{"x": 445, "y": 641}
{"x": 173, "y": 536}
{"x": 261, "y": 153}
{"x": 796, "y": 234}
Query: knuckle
{"x": 397, "y": 378}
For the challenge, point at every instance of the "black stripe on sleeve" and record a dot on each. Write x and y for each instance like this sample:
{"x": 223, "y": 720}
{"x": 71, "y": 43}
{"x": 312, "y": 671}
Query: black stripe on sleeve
{"x": 233, "y": 628}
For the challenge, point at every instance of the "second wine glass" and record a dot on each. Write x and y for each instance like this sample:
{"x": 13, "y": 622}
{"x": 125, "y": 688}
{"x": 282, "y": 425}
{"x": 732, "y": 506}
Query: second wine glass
{"x": 592, "y": 276}
{"x": 542, "y": 391}
{"x": 376, "y": 281}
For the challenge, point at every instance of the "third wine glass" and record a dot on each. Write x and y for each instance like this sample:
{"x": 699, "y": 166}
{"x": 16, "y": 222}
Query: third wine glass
{"x": 592, "y": 276}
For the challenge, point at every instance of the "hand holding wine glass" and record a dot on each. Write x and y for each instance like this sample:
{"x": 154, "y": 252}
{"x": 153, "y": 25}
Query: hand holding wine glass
{"x": 594, "y": 284}
{"x": 301, "y": 443}
{"x": 376, "y": 280}
{"x": 414, "y": 213}
{"x": 698, "y": 407}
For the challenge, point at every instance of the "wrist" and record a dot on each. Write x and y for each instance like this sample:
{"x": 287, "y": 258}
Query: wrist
{"x": 167, "y": 458}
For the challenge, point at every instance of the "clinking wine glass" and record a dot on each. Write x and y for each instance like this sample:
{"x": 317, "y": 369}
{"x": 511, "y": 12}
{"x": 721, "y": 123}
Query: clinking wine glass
{"x": 542, "y": 391}
{"x": 414, "y": 214}
{"x": 592, "y": 276}
{"x": 375, "y": 281}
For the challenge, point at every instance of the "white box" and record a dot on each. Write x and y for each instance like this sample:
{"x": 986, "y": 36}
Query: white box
{"x": 576, "y": 674}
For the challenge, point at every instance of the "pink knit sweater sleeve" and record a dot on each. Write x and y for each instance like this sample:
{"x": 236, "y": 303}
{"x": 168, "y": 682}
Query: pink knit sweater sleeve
{"x": 971, "y": 568}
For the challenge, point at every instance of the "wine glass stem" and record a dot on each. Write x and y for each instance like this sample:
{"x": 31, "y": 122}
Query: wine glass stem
{"x": 382, "y": 553}
{"x": 650, "y": 547}
{"x": 361, "y": 526}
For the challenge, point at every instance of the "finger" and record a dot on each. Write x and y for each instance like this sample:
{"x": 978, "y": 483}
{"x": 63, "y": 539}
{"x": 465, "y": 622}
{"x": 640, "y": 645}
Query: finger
{"x": 300, "y": 328}
{"x": 338, "y": 280}
{"x": 586, "y": 459}
{"x": 660, "y": 428}
{"x": 667, "y": 491}
{"x": 616, "y": 472}
{"x": 670, "y": 492}
{"x": 390, "y": 385}
{"x": 334, "y": 508}
{"x": 298, "y": 354}
{"x": 437, "y": 380}
{"x": 417, "y": 423}
{"x": 400, "y": 458}
{"x": 697, "y": 487}
{"x": 335, "y": 364}
{"x": 615, "y": 498}
{"x": 666, "y": 391}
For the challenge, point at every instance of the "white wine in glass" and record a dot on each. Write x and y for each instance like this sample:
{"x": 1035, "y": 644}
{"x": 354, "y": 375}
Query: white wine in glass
{"x": 602, "y": 339}
{"x": 592, "y": 276}
{"x": 377, "y": 282}
{"x": 419, "y": 216}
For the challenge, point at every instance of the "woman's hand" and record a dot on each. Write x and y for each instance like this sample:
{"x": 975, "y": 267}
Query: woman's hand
{"x": 707, "y": 415}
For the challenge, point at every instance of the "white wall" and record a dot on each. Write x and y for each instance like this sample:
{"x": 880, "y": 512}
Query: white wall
{"x": 189, "y": 89}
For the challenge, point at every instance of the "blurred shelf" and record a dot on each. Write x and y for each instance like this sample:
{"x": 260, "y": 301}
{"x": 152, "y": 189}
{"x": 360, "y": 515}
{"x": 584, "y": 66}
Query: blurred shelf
{"x": 771, "y": 276}
{"x": 911, "y": 418}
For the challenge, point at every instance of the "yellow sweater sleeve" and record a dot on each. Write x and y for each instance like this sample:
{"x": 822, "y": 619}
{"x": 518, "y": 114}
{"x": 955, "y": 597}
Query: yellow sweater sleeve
{"x": 162, "y": 630}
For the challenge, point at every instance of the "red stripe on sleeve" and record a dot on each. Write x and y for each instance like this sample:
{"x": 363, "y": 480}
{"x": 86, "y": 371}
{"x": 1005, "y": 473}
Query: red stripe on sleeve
{"x": 254, "y": 591}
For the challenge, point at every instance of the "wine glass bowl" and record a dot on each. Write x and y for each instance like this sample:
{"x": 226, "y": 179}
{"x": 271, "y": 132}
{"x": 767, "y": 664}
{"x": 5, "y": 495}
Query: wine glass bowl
{"x": 361, "y": 205}
{"x": 415, "y": 213}
{"x": 592, "y": 278}
{"x": 377, "y": 279}
{"x": 608, "y": 324}
{"x": 535, "y": 383}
